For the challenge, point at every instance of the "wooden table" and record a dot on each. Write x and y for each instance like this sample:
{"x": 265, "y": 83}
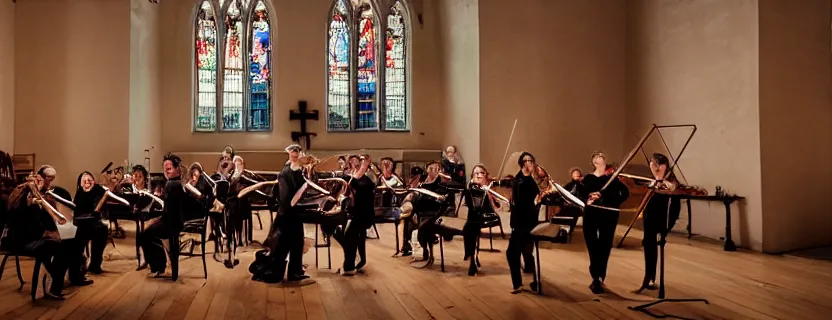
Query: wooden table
{"x": 727, "y": 201}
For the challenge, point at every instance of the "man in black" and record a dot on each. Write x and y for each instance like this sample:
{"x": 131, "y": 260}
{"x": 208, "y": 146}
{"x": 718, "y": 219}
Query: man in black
{"x": 169, "y": 224}
{"x": 288, "y": 221}
{"x": 362, "y": 213}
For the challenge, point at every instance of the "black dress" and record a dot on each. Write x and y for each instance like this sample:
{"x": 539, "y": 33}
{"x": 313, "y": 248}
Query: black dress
{"x": 362, "y": 213}
{"x": 599, "y": 224}
{"x": 90, "y": 227}
{"x": 479, "y": 206}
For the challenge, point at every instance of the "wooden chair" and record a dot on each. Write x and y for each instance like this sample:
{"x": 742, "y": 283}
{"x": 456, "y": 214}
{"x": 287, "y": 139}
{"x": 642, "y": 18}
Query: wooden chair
{"x": 35, "y": 273}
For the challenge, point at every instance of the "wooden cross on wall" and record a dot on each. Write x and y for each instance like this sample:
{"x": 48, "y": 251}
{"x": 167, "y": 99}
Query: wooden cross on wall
{"x": 303, "y": 116}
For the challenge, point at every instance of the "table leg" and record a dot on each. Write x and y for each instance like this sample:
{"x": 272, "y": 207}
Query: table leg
{"x": 729, "y": 243}
{"x": 690, "y": 221}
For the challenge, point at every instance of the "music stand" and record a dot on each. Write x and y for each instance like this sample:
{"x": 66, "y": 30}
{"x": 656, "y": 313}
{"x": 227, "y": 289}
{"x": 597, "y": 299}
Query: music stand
{"x": 663, "y": 240}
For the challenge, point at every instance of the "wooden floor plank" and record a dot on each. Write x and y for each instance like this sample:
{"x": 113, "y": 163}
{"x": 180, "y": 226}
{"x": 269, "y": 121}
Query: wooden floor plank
{"x": 739, "y": 285}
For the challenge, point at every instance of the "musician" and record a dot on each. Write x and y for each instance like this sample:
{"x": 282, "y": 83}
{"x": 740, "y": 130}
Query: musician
{"x": 599, "y": 223}
{"x": 454, "y": 166}
{"x": 170, "y": 224}
{"x": 524, "y": 217}
{"x": 342, "y": 163}
{"x": 226, "y": 163}
{"x": 140, "y": 178}
{"x": 32, "y": 231}
{"x": 362, "y": 213}
{"x": 238, "y": 209}
{"x": 48, "y": 173}
{"x": 196, "y": 207}
{"x": 656, "y": 224}
{"x": 287, "y": 225}
{"x": 575, "y": 187}
{"x": 479, "y": 203}
{"x": 90, "y": 227}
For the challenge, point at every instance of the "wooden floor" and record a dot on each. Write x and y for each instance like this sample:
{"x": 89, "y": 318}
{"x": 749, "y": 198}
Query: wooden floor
{"x": 739, "y": 285}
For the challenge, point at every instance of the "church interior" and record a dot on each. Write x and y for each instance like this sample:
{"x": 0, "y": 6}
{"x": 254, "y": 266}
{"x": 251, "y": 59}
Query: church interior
{"x": 737, "y": 94}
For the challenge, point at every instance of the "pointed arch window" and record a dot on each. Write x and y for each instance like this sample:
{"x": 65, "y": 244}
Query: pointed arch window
{"x": 366, "y": 90}
{"x": 239, "y": 40}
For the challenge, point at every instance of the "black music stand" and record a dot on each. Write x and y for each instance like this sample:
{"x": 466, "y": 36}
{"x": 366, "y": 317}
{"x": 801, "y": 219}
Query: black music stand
{"x": 662, "y": 299}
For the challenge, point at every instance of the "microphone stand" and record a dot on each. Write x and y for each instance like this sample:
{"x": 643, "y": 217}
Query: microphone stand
{"x": 662, "y": 242}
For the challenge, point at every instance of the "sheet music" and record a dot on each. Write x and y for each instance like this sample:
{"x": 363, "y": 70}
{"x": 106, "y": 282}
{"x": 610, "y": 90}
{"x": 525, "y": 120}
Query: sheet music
{"x": 67, "y": 231}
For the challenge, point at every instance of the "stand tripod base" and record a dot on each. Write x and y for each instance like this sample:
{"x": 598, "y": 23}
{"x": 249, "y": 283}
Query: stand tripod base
{"x": 643, "y": 307}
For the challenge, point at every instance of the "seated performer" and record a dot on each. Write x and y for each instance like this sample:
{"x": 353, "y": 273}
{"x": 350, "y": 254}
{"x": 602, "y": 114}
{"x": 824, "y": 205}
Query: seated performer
{"x": 390, "y": 183}
{"x": 286, "y": 236}
{"x": 479, "y": 202}
{"x": 31, "y": 230}
{"x": 171, "y": 221}
{"x": 196, "y": 207}
{"x": 656, "y": 224}
{"x": 453, "y": 166}
{"x": 226, "y": 162}
{"x": 599, "y": 223}
{"x": 90, "y": 227}
{"x": 146, "y": 211}
{"x": 362, "y": 213}
{"x": 577, "y": 188}
{"x": 237, "y": 209}
{"x": 524, "y": 217}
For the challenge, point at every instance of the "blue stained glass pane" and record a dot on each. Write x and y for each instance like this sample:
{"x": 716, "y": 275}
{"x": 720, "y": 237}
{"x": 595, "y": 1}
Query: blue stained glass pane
{"x": 367, "y": 77}
{"x": 338, "y": 57}
{"x": 260, "y": 80}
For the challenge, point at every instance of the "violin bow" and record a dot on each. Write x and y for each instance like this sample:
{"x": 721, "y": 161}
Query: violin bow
{"x": 505, "y": 155}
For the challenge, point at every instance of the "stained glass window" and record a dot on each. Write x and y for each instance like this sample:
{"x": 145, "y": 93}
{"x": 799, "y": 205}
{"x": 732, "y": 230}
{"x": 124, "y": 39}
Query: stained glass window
{"x": 339, "y": 99}
{"x": 354, "y": 67}
{"x": 366, "y": 69}
{"x": 232, "y": 93}
{"x": 260, "y": 83}
{"x": 395, "y": 77}
{"x": 206, "y": 68}
{"x": 246, "y": 100}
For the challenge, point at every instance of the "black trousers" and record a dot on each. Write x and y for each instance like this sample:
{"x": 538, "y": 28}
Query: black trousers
{"x": 58, "y": 256}
{"x": 427, "y": 233}
{"x": 519, "y": 245}
{"x": 355, "y": 239}
{"x": 95, "y": 233}
{"x": 150, "y": 241}
{"x": 470, "y": 233}
{"x": 655, "y": 226}
{"x": 291, "y": 244}
{"x": 599, "y": 231}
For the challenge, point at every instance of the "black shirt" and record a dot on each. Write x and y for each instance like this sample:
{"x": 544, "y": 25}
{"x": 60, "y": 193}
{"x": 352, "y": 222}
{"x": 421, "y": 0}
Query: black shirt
{"x": 455, "y": 170}
{"x": 613, "y": 196}
{"x": 363, "y": 209}
{"x": 290, "y": 182}
{"x": 174, "y": 196}
{"x": 477, "y": 202}
{"x": 524, "y": 212}
{"x": 85, "y": 201}
{"x": 26, "y": 222}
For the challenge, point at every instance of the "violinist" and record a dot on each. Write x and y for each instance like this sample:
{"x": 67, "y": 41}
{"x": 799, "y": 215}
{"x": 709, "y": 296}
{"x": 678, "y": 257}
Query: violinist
{"x": 660, "y": 207}
{"x": 575, "y": 187}
{"x": 453, "y": 166}
{"x": 90, "y": 227}
{"x": 524, "y": 215}
{"x": 599, "y": 223}
{"x": 31, "y": 230}
{"x": 479, "y": 202}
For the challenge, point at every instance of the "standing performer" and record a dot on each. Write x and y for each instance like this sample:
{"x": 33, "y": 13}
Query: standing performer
{"x": 88, "y": 220}
{"x": 170, "y": 224}
{"x": 524, "y": 217}
{"x": 479, "y": 202}
{"x": 362, "y": 214}
{"x": 287, "y": 229}
{"x": 599, "y": 223}
{"x": 656, "y": 224}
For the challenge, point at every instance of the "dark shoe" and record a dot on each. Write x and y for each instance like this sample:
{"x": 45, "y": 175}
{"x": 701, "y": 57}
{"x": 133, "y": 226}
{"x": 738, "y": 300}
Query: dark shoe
{"x": 297, "y": 277}
{"x": 81, "y": 282}
{"x": 517, "y": 289}
{"x": 142, "y": 266}
{"x": 533, "y": 286}
{"x": 360, "y": 264}
{"x": 472, "y": 270}
{"x": 407, "y": 253}
{"x": 95, "y": 270}
{"x": 596, "y": 287}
